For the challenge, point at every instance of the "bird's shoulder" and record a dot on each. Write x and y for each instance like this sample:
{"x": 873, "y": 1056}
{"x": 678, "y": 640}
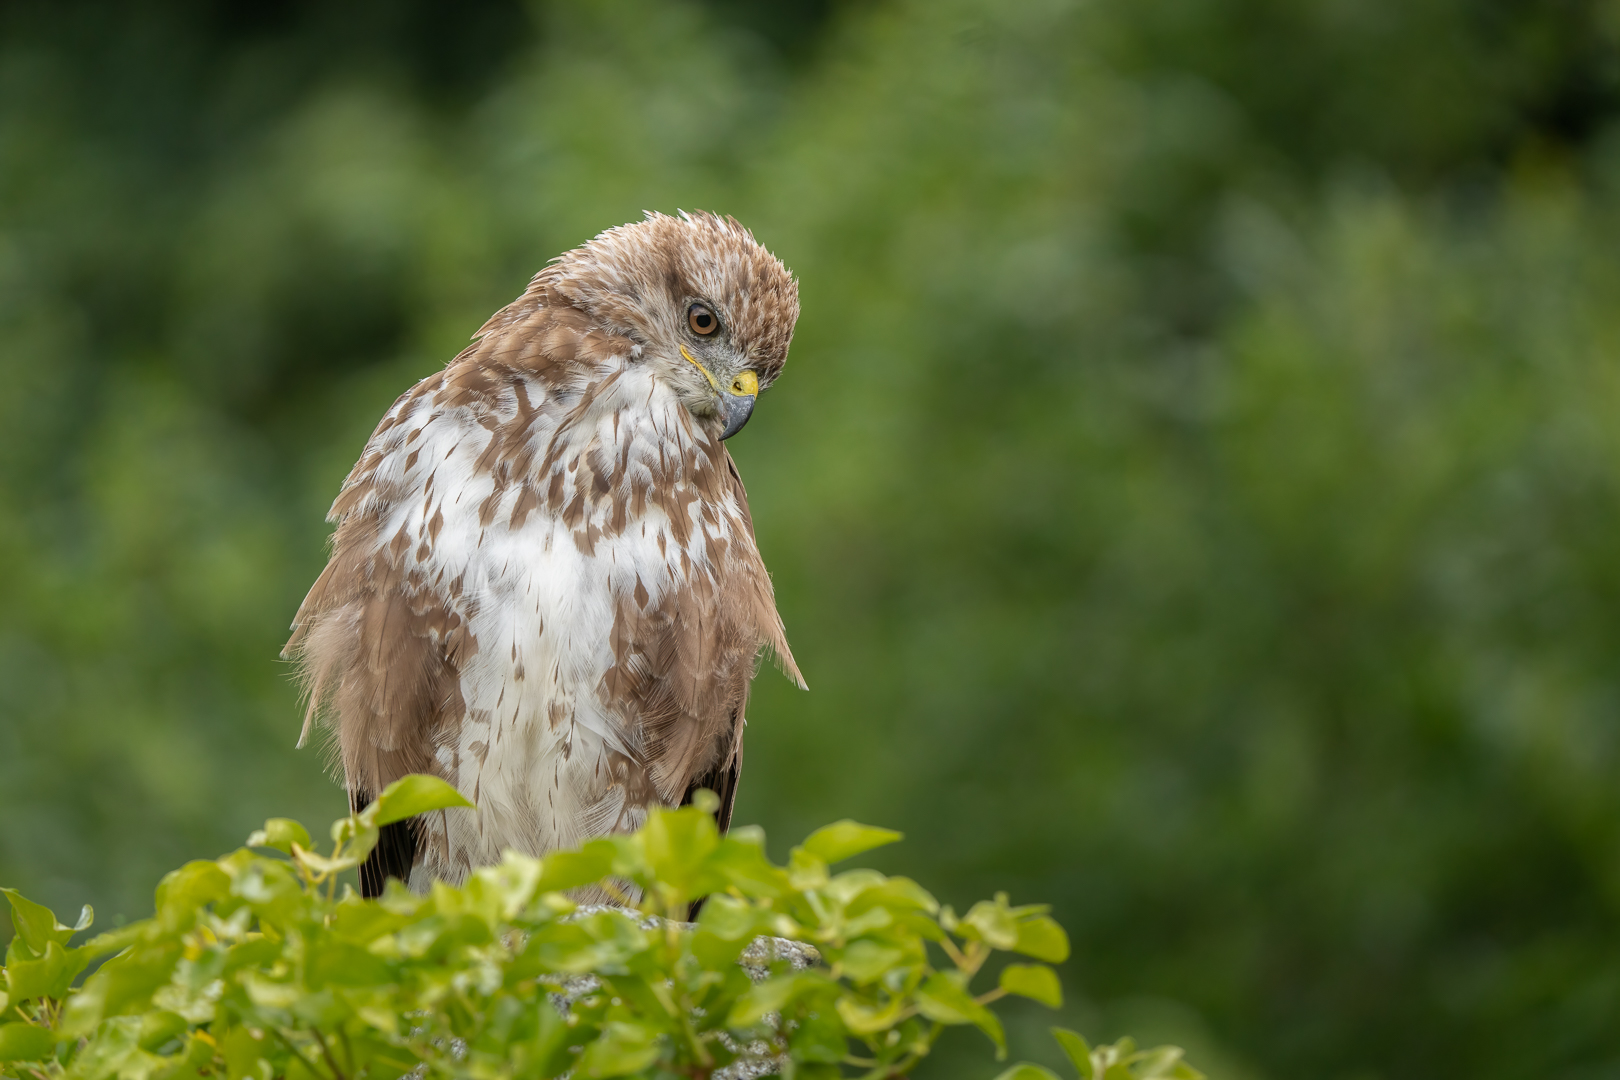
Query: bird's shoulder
{"x": 491, "y": 411}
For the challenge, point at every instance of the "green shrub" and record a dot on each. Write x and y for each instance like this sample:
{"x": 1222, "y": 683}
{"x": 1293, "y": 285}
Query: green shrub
{"x": 258, "y": 965}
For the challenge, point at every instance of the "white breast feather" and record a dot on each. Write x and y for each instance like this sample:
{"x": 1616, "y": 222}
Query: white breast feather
{"x": 541, "y": 612}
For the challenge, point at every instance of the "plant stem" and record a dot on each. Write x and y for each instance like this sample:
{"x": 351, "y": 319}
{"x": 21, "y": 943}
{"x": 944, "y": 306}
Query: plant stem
{"x": 326, "y": 1052}
{"x": 953, "y": 952}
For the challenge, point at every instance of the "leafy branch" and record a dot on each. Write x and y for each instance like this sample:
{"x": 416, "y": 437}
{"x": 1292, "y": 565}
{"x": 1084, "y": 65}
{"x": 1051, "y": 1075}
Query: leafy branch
{"x": 258, "y": 964}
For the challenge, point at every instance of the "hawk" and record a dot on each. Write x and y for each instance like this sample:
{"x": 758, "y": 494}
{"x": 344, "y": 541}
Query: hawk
{"x": 544, "y": 586}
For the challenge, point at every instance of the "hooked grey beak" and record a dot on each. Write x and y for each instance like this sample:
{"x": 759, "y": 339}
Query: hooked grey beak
{"x": 735, "y": 404}
{"x": 735, "y": 409}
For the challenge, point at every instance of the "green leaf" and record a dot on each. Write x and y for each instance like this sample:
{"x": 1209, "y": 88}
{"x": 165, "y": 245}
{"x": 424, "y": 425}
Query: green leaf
{"x": 111, "y": 1051}
{"x": 511, "y": 883}
{"x": 1035, "y": 981}
{"x": 753, "y": 835}
{"x": 874, "y": 918}
{"x": 83, "y": 1011}
{"x": 411, "y": 795}
{"x": 320, "y": 864}
{"x": 48, "y": 977}
{"x": 773, "y": 995}
{"x": 1161, "y": 1063}
{"x": 844, "y": 839}
{"x": 621, "y": 1050}
{"x": 242, "y": 1052}
{"x": 344, "y": 829}
{"x": 189, "y": 1063}
{"x": 281, "y": 833}
{"x": 677, "y": 842}
{"x": 868, "y": 1019}
{"x": 379, "y": 1060}
{"x": 361, "y": 921}
{"x": 1123, "y": 1061}
{"x": 359, "y": 843}
{"x": 818, "y": 1038}
{"x": 128, "y": 981}
{"x": 570, "y": 869}
{"x": 629, "y": 854}
{"x": 1026, "y": 1071}
{"x": 113, "y": 940}
{"x": 344, "y": 964}
{"x": 270, "y": 887}
{"x": 806, "y": 871}
{"x": 25, "y": 1042}
{"x": 256, "y": 952}
{"x": 812, "y": 1071}
{"x": 184, "y": 892}
{"x": 728, "y": 918}
{"x": 945, "y": 1000}
{"x": 322, "y": 1009}
{"x": 715, "y": 953}
{"x": 898, "y": 894}
{"x": 1043, "y": 939}
{"x": 36, "y": 924}
{"x": 844, "y": 888}
{"x": 158, "y": 1027}
{"x": 743, "y": 865}
{"x": 1078, "y": 1050}
{"x": 867, "y": 961}
{"x": 991, "y": 922}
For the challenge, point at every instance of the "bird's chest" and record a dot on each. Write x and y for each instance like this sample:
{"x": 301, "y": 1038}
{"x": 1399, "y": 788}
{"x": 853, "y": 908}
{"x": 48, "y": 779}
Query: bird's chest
{"x": 555, "y": 616}
{"x": 604, "y": 590}
{"x": 599, "y": 562}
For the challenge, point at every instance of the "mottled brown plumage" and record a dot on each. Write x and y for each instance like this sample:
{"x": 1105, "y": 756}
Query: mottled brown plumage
{"x": 544, "y": 585}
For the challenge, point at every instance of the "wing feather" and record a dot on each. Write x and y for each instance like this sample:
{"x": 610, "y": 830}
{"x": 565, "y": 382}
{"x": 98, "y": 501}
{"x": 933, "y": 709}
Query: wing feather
{"x": 378, "y": 644}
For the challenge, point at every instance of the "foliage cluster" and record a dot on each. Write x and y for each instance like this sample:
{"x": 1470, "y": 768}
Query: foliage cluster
{"x": 257, "y": 966}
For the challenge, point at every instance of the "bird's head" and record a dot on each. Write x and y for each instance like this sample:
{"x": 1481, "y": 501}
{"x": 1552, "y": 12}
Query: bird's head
{"x": 706, "y": 306}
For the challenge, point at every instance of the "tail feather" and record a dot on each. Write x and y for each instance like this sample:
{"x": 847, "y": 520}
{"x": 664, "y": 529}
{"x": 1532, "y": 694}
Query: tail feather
{"x": 394, "y": 854}
{"x": 722, "y": 780}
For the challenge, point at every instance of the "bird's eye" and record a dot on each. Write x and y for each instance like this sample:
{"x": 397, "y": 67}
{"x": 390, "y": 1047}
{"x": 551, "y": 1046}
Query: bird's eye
{"x": 701, "y": 320}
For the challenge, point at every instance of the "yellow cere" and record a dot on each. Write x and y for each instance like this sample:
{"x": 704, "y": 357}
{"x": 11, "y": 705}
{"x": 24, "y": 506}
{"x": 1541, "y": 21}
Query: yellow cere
{"x": 746, "y": 383}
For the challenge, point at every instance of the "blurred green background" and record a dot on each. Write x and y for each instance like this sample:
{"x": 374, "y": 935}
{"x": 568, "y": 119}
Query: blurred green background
{"x": 1193, "y": 495}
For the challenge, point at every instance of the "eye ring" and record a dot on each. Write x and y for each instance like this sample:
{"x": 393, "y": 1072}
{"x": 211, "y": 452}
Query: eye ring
{"x": 702, "y": 320}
